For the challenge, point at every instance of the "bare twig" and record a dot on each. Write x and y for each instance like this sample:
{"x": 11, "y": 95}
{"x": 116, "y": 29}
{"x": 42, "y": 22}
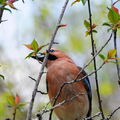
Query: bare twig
{"x": 116, "y": 55}
{"x": 32, "y": 78}
{"x": 109, "y": 117}
{"x": 45, "y": 60}
{"x": 43, "y": 93}
{"x": 1, "y": 12}
{"x": 23, "y": 1}
{"x": 96, "y": 115}
{"x": 94, "y": 60}
{"x": 115, "y": 2}
{"x": 53, "y": 107}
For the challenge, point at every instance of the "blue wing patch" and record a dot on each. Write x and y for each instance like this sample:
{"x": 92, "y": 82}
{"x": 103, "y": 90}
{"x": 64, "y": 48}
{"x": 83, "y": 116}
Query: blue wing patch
{"x": 87, "y": 83}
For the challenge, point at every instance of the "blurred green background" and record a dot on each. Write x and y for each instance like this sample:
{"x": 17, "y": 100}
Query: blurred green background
{"x": 37, "y": 19}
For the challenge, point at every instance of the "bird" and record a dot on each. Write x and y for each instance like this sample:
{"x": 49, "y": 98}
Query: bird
{"x": 61, "y": 68}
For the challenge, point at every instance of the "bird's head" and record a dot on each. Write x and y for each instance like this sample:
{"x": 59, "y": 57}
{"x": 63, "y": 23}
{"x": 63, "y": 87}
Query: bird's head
{"x": 54, "y": 55}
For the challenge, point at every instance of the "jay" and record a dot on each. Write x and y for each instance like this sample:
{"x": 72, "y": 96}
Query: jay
{"x": 61, "y": 68}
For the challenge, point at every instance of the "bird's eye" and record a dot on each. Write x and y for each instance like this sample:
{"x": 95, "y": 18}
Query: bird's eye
{"x": 52, "y": 50}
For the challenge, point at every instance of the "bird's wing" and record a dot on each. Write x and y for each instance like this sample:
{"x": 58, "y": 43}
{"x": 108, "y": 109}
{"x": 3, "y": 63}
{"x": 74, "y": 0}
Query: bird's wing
{"x": 86, "y": 83}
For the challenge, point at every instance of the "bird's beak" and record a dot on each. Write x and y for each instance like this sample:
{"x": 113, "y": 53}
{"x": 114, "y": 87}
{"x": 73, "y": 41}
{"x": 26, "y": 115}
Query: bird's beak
{"x": 38, "y": 57}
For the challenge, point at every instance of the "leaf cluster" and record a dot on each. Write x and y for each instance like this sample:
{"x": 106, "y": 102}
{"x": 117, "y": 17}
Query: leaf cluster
{"x": 114, "y": 19}
{"x": 35, "y": 47}
{"x": 110, "y": 55}
{"x": 14, "y": 102}
{"x": 87, "y": 25}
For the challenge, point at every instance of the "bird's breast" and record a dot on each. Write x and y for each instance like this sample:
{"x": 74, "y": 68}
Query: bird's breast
{"x": 58, "y": 74}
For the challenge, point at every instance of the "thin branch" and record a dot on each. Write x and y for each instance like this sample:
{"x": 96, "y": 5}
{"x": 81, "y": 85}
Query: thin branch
{"x": 115, "y": 2}
{"x": 45, "y": 60}
{"x": 53, "y": 107}
{"x": 116, "y": 55}
{"x": 96, "y": 115}
{"x": 32, "y": 78}
{"x": 94, "y": 60}
{"x": 23, "y": 1}
{"x": 1, "y": 12}
{"x": 43, "y": 93}
{"x": 109, "y": 117}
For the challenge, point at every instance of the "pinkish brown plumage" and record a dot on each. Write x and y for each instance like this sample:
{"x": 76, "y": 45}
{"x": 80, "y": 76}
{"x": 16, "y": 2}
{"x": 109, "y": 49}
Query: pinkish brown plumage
{"x": 61, "y": 68}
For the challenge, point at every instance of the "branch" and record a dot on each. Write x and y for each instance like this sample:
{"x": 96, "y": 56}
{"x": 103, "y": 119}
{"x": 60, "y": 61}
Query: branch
{"x": 52, "y": 108}
{"x": 96, "y": 115}
{"x": 116, "y": 55}
{"x": 1, "y": 12}
{"x": 94, "y": 60}
{"x": 108, "y": 118}
{"x": 44, "y": 61}
{"x": 115, "y": 2}
{"x": 43, "y": 93}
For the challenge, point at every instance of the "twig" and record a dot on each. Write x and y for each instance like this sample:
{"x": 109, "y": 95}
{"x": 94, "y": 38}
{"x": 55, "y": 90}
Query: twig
{"x": 43, "y": 93}
{"x": 44, "y": 61}
{"x": 63, "y": 10}
{"x": 23, "y": 1}
{"x": 64, "y": 101}
{"x": 1, "y": 12}
{"x": 116, "y": 55}
{"x": 115, "y": 2}
{"x": 32, "y": 78}
{"x": 94, "y": 60}
{"x": 96, "y": 115}
{"x": 108, "y": 118}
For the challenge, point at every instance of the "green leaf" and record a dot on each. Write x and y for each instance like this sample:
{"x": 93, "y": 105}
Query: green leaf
{"x": 114, "y": 62}
{"x": 2, "y": 77}
{"x": 20, "y": 109}
{"x": 87, "y": 33}
{"x": 10, "y": 106}
{"x": 113, "y": 16}
{"x": 102, "y": 56}
{"x": 1, "y": 1}
{"x": 34, "y": 45}
{"x": 83, "y": 2}
{"x": 87, "y": 24}
{"x": 3, "y": 8}
{"x": 42, "y": 46}
{"x": 109, "y": 29}
{"x": 32, "y": 53}
{"x": 106, "y": 24}
{"x": 10, "y": 100}
{"x": 94, "y": 31}
{"x": 22, "y": 104}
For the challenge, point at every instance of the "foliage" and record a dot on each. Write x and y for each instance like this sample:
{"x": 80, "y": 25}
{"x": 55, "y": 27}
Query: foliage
{"x": 14, "y": 103}
{"x": 8, "y": 2}
{"x": 110, "y": 55}
{"x": 87, "y": 25}
{"x": 83, "y": 2}
{"x": 114, "y": 17}
{"x": 34, "y": 46}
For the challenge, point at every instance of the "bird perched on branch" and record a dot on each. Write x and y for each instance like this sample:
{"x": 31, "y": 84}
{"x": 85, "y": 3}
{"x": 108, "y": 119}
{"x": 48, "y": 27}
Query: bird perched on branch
{"x": 78, "y": 96}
